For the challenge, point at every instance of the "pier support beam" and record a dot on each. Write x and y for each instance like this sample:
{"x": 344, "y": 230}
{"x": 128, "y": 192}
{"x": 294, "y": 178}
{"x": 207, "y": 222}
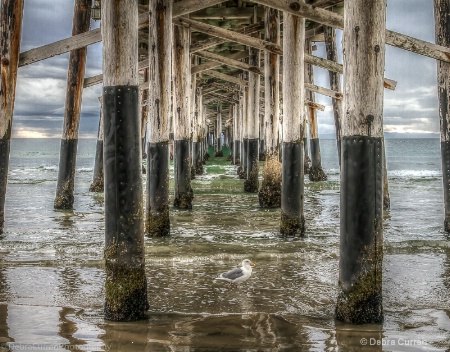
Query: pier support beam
{"x": 218, "y": 141}
{"x": 197, "y": 147}
{"x": 75, "y": 78}
{"x": 159, "y": 104}
{"x": 236, "y": 134}
{"x": 242, "y": 169}
{"x": 97, "y": 184}
{"x": 442, "y": 30}
{"x": 251, "y": 184}
{"x": 182, "y": 133}
{"x": 361, "y": 233}
{"x": 125, "y": 283}
{"x": 11, "y": 14}
{"x": 335, "y": 83}
{"x": 292, "y": 197}
{"x": 316, "y": 173}
{"x": 270, "y": 192}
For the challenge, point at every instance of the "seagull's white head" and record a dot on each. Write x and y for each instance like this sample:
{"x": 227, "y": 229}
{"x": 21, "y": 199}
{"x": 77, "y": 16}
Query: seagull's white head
{"x": 247, "y": 263}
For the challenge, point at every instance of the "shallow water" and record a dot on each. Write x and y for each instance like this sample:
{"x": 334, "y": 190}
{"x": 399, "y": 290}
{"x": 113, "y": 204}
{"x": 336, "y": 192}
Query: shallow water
{"x": 52, "y": 277}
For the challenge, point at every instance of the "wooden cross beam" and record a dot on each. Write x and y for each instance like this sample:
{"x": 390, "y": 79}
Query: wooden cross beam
{"x": 78, "y": 41}
{"x": 229, "y": 35}
{"x": 223, "y": 60}
{"x": 316, "y": 14}
{"x": 213, "y": 64}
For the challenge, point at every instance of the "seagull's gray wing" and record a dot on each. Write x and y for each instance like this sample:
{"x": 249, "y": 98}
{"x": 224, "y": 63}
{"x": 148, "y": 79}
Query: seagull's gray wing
{"x": 233, "y": 274}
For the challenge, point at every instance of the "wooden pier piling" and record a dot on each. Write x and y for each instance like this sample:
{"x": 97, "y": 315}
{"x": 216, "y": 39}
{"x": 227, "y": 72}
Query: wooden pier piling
{"x": 218, "y": 135}
{"x": 442, "y": 32}
{"x": 292, "y": 197}
{"x": 181, "y": 99}
{"x": 197, "y": 145}
{"x": 335, "y": 83}
{"x": 125, "y": 283}
{"x": 316, "y": 173}
{"x": 97, "y": 184}
{"x": 251, "y": 184}
{"x": 75, "y": 78}
{"x": 11, "y": 14}
{"x": 361, "y": 233}
{"x": 270, "y": 192}
{"x": 157, "y": 222}
{"x": 236, "y": 134}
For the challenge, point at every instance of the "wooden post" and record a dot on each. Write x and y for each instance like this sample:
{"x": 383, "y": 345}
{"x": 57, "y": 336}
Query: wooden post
{"x": 251, "y": 184}
{"x": 292, "y": 218}
{"x": 182, "y": 84}
{"x": 262, "y": 139}
{"x": 11, "y": 14}
{"x": 144, "y": 114}
{"x": 198, "y": 139}
{"x": 236, "y": 134}
{"x": 242, "y": 169}
{"x": 97, "y": 184}
{"x": 193, "y": 120}
{"x": 307, "y": 159}
{"x": 75, "y": 78}
{"x": 335, "y": 83}
{"x": 361, "y": 244}
{"x": 125, "y": 283}
{"x": 270, "y": 192}
{"x": 442, "y": 30}
{"x": 159, "y": 109}
{"x": 316, "y": 173}
{"x": 218, "y": 135}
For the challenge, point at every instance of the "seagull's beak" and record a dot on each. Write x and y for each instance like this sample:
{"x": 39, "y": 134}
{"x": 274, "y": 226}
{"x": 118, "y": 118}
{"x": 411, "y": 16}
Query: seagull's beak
{"x": 252, "y": 264}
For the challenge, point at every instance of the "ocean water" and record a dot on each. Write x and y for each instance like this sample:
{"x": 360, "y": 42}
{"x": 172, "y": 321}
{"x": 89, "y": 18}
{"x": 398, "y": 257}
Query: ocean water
{"x": 52, "y": 272}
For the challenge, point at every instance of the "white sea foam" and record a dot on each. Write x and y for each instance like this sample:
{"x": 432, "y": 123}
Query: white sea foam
{"x": 414, "y": 173}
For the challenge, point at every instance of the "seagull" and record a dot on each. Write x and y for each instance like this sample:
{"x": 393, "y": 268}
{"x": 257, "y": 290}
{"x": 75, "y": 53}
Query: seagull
{"x": 238, "y": 275}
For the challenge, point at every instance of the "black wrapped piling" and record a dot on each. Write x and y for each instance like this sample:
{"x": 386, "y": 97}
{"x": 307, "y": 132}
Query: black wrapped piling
{"x": 262, "y": 150}
{"x": 157, "y": 216}
{"x": 197, "y": 160}
{"x": 66, "y": 174}
{"x": 97, "y": 184}
{"x": 242, "y": 169}
{"x": 125, "y": 284}
{"x": 236, "y": 152}
{"x": 445, "y": 155}
{"x": 5, "y": 144}
{"x": 307, "y": 159}
{"x": 361, "y": 251}
{"x": 292, "y": 218}
{"x": 316, "y": 172}
{"x": 75, "y": 77}
{"x": 182, "y": 173}
{"x": 251, "y": 184}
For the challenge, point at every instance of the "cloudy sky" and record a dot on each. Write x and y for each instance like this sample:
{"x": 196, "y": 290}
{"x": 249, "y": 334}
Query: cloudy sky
{"x": 40, "y": 97}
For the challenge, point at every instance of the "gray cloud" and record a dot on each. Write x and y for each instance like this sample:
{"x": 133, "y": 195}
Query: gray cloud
{"x": 41, "y": 87}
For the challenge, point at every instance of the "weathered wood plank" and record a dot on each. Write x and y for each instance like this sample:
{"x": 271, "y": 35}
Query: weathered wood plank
{"x": 11, "y": 14}
{"x": 335, "y": 84}
{"x": 316, "y": 14}
{"x": 223, "y": 60}
{"x": 213, "y": 64}
{"x": 213, "y": 41}
{"x": 185, "y": 7}
{"x": 11, "y": 32}
{"x": 324, "y": 91}
{"x": 229, "y": 35}
{"x": 271, "y": 83}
